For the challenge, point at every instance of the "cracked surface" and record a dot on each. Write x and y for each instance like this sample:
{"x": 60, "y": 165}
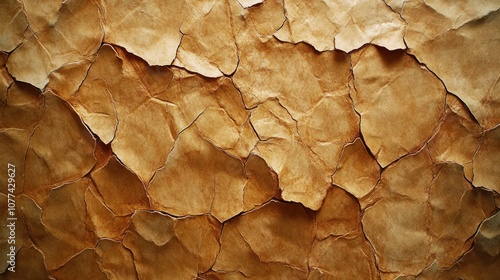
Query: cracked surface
{"x": 250, "y": 139}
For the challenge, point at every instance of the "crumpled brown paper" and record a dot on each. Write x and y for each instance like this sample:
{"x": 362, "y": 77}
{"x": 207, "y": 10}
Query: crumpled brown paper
{"x": 249, "y": 139}
{"x": 458, "y": 43}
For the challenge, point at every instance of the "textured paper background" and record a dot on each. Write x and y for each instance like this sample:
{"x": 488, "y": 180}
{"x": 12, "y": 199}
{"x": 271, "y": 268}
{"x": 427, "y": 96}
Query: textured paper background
{"x": 251, "y": 139}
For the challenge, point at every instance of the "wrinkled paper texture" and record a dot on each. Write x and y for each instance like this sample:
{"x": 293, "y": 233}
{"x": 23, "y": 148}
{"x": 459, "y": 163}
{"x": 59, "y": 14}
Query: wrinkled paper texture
{"x": 250, "y": 139}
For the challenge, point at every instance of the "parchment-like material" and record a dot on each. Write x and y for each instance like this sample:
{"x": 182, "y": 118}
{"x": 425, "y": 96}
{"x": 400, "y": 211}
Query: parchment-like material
{"x": 279, "y": 248}
{"x": 13, "y": 24}
{"x": 458, "y": 43}
{"x": 178, "y": 248}
{"x": 458, "y": 137}
{"x": 131, "y": 25}
{"x": 71, "y": 34}
{"x": 343, "y": 25}
{"x": 414, "y": 215}
{"x": 249, "y": 139}
{"x": 486, "y": 160}
{"x": 400, "y": 103}
{"x": 358, "y": 171}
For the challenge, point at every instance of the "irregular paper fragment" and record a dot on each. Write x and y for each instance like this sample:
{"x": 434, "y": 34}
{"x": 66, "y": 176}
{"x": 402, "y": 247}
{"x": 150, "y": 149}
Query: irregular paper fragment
{"x": 224, "y": 121}
{"x": 22, "y": 107}
{"x": 339, "y": 215}
{"x": 484, "y": 259}
{"x": 213, "y": 183}
{"x": 428, "y": 19}
{"x": 344, "y": 25}
{"x": 92, "y": 98}
{"x": 69, "y": 78}
{"x": 200, "y": 51}
{"x": 102, "y": 220}
{"x": 102, "y": 153}
{"x": 41, "y": 16}
{"x": 217, "y": 127}
{"x": 347, "y": 257}
{"x": 482, "y": 262}
{"x": 487, "y": 161}
{"x": 279, "y": 232}
{"x": 116, "y": 261}
{"x": 75, "y": 35}
{"x": 121, "y": 190}
{"x": 191, "y": 251}
{"x": 85, "y": 263}
{"x": 358, "y": 172}
{"x": 145, "y": 28}
{"x": 400, "y": 102}
{"x": 326, "y": 128}
{"x": 13, "y": 24}
{"x": 458, "y": 43}
{"x": 272, "y": 242}
{"x": 457, "y": 138}
{"x": 137, "y": 140}
{"x": 58, "y": 229}
{"x": 266, "y": 18}
{"x": 249, "y": 3}
{"x": 121, "y": 81}
{"x": 295, "y": 74}
{"x": 60, "y": 149}
{"x": 422, "y": 213}
{"x": 205, "y": 243}
{"x": 152, "y": 260}
{"x": 234, "y": 247}
{"x": 262, "y": 183}
{"x": 301, "y": 174}
{"x": 454, "y": 223}
{"x": 147, "y": 225}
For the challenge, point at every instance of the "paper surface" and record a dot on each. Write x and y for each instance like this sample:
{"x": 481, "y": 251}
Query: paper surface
{"x": 249, "y": 139}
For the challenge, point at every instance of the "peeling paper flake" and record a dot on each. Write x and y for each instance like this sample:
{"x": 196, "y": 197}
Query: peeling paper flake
{"x": 249, "y": 3}
{"x": 458, "y": 43}
{"x": 75, "y": 35}
{"x": 342, "y": 25}
{"x": 400, "y": 103}
{"x": 358, "y": 171}
{"x": 117, "y": 100}
{"x": 134, "y": 25}
{"x": 211, "y": 56}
